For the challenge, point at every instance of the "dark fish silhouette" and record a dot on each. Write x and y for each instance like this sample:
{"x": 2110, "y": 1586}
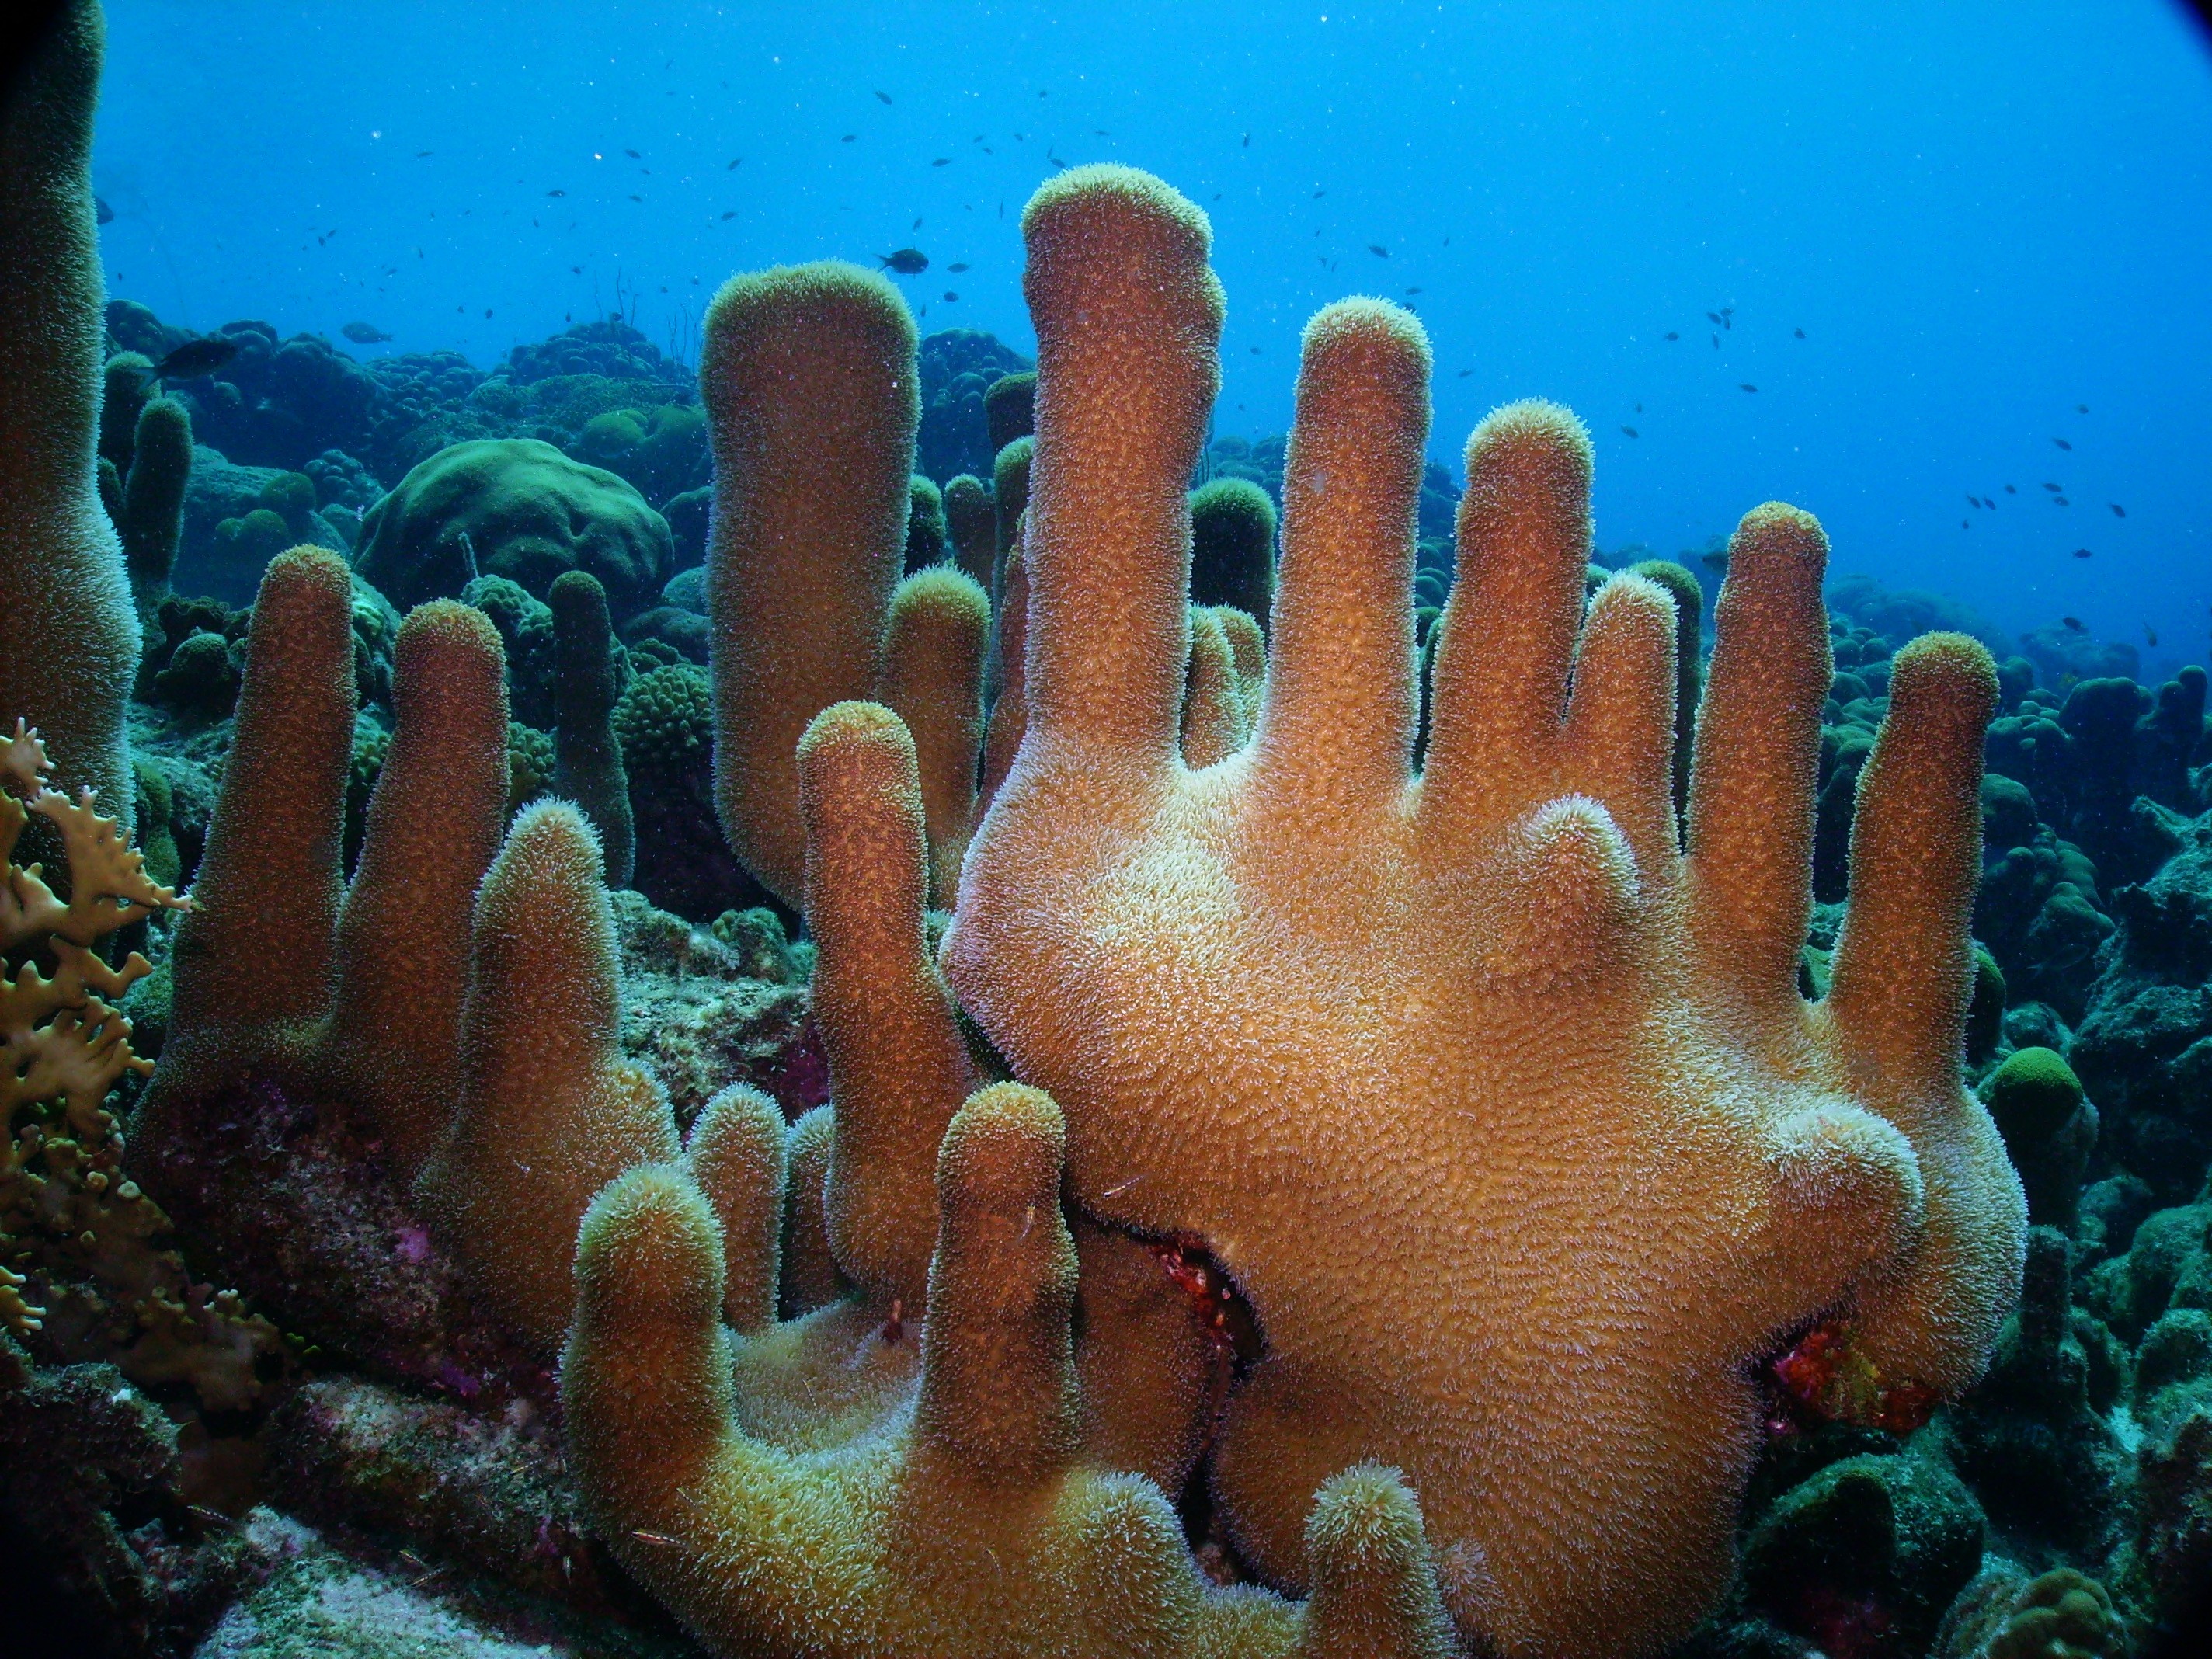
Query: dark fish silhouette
{"x": 1247, "y": 141}
{"x": 2052, "y": 488}
{"x": 633, "y": 156}
{"x": 1747, "y": 386}
{"x": 1714, "y": 318}
{"x": 102, "y": 212}
{"x": 2062, "y": 443}
{"x": 2073, "y": 625}
{"x": 2118, "y": 511}
{"x": 2150, "y": 634}
{"x": 956, "y": 270}
{"x": 942, "y": 161}
{"x": 907, "y": 261}
{"x": 950, "y": 296}
{"x": 1412, "y": 290}
{"x": 2083, "y": 553}
{"x": 882, "y": 97}
{"x": 848, "y": 138}
{"x": 1672, "y": 335}
{"x": 420, "y": 154}
{"x": 1727, "y": 311}
{"x": 1628, "y": 431}
{"x": 1464, "y": 372}
{"x": 2083, "y": 409}
{"x": 195, "y": 358}
{"x": 732, "y": 167}
{"x": 576, "y": 270}
{"x": 556, "y": 192}
{"x": 2010, "y": 490}
{"x": 363, "y": 333}
{"x": 1716, "y": 341}
{"x": 732, "y": 214}
{"x": 1378, "y": 250}
{"x": 1799, "y": 332}
{"x": 637, "y": 198}
{"x": 916, "y": 225}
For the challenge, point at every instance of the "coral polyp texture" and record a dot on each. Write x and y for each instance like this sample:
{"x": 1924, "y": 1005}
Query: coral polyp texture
{"x": 1518, "y": 1137}
{"x": 927, "y": 1461}
{"x": 69, "y": 633}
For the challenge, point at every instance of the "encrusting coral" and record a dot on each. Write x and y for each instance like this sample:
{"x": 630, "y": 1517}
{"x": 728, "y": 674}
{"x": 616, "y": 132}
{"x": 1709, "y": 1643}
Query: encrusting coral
{"x": 68, "y": 634}
{"x": 1491, "y": 1079}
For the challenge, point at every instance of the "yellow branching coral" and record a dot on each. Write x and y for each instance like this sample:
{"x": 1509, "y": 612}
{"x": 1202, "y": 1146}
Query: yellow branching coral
{"x": 1504, "y": 1111}
{"x": 96, "y": 1284}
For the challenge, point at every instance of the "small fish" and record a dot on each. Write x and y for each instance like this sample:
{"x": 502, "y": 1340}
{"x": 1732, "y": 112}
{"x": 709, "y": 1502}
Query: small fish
{"x": 732, "y": 167}
{"x": 2150, "y": 636}
{"x": 2011, "y": 490}
{"x": 1640, "y": 409}
{"x": 1718, "y": 560}
{"x": 2075, "y": 624}
{"x": 2118, "y": 511}
{"x": 1319, "y": 193}
{"x": 1628, "y": 432}
{"x": 420, "y": 154}
{"x": 1799, "y": 332}
{"x": 1255, "y": 351}
{"x": 848, "y": 138}
{"x": 556, "y": 192}
{"x": 637, "y": 198}
{"x": 1247, "y": 141}
{"x": 2052, "y": 488}
{"x": 1378, "y": 250}
{"x": 1964, "y": 525}
{"x": 363, "y": 333}
{"x": 2083, "y": 409}
{"x": 1672, "y": 335}
{"x": 195, "y": 358}
{"x": 1716, "y": 341}
{"x": 950, "y": 296}
{"x": 942, "y": 161}
{"x": 576, "y": 270}
{"x": 633, "y": 156}
{"x": 1974, "y": 500}
{"x": 956, "y": 270}
{"x": 1714, "y": 318}
{"x": 882, "y": 97}
{"x": 487, "y": 314}
{"x": 732, "y": 214}
{"x": 1464, "y": 372}
{"x": 907, "y": 261}
{"x": 2062, "y": 443}
{"x": 102, "y": 212}
{"x": 2060, "y": 501}
{"x": 1747, "y": 386}
{"x": 1412, "y": 290}
{"x": 916, "y": 225}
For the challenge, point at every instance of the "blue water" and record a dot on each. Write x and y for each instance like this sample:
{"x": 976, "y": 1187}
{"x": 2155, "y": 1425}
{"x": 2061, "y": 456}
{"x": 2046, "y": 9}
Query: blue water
{"x": 1981, "y": 216}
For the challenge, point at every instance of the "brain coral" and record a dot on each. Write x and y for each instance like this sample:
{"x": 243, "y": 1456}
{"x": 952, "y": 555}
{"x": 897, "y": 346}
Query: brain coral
{"x": 519, "y": 508}
{"x": 1505, "y": 1114}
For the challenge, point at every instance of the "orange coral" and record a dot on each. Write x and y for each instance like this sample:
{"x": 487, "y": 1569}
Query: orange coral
{"x": 1519, "y": 1138}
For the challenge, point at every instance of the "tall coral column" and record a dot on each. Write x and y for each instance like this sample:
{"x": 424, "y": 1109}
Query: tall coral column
{"x": 69, "y": 634}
